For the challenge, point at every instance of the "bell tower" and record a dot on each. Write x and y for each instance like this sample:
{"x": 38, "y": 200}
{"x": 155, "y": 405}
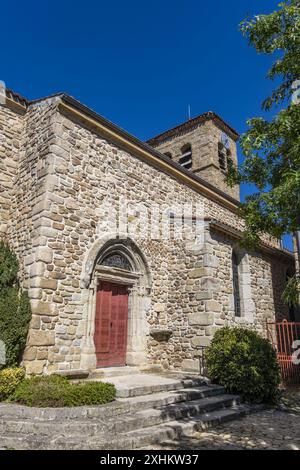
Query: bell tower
{"x": 205, "y": 145}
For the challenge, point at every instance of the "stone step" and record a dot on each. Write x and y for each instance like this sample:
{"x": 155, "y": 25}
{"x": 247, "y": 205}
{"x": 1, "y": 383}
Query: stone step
{"x": 117, "y": 425}
{"x": 159, "y": 399}
{"x": 124, "y": 371}
{"x": 176, "y": 411}
{"x": 117, "y": 408}
{"x": 174, "y": 430}
{"x": 113, "y": 372}
{"x": 146, "y": 384}
{"x": 154, "y": 435}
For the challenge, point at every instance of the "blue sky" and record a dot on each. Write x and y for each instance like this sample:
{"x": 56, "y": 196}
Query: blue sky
{"x": 138, "y": 63}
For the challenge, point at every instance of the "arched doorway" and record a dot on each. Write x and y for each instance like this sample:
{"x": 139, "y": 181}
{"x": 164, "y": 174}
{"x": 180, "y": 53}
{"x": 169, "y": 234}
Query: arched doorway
{"x": 118, "y": 283}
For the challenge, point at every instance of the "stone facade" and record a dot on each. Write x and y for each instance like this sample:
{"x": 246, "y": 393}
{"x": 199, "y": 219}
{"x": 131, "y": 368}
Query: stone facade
{"x": 59, "y": 163}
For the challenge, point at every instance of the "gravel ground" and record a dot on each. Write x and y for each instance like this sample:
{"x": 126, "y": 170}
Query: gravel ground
{"x": 277, "y": 429}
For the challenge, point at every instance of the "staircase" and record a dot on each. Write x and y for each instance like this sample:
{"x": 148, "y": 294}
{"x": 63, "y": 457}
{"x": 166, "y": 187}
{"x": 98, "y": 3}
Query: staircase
{"x": 149, "y": 409}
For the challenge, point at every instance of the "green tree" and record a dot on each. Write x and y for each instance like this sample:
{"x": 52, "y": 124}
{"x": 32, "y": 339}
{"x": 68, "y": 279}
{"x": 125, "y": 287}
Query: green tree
{"x": 271, "y": 148}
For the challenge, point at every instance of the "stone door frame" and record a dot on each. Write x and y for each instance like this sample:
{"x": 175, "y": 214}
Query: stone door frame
{"x": 139, "y": 285}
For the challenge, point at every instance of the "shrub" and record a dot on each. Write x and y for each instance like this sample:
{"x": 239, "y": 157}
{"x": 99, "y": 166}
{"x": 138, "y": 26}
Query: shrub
{"x": 15, "y": 312}
{"x": 90, "y": 393}
{"x": 57, "y": 391}
{"x": 8, "y": 266}
{"x": 15, "y": 315}
{"x": 244, "y": 363}
{"x": 10, "y": 378}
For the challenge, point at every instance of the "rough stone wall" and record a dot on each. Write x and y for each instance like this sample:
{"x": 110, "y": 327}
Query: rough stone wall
{"x": 28, "y": 225}
{"x": 200, "y": 298}
{"x": 204, "y": 140}
{"x": 11, "y": 131}
{"x": 65, "y": 173}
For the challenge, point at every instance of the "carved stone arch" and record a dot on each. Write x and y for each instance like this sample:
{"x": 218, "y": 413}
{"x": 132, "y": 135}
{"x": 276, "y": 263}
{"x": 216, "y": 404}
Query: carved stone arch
{"x": 136, "y": 276}
{"x": 106, "y": 245}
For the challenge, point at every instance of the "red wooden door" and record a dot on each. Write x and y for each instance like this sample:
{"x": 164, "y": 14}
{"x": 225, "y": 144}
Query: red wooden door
{"x": 110, "y": 335}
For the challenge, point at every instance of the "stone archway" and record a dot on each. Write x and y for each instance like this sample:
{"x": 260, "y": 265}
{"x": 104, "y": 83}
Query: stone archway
{"x": 138, "y": 280}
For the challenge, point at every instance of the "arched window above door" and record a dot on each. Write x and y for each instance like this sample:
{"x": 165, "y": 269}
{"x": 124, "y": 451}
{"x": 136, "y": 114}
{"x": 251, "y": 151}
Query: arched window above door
{"x": 116, "y": 260}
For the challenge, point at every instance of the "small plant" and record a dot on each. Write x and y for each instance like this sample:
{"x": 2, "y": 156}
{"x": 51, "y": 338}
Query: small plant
{"x": 244, "y": 363}
{"x": 10, "y": 378}
{"x": 57, "y": 391}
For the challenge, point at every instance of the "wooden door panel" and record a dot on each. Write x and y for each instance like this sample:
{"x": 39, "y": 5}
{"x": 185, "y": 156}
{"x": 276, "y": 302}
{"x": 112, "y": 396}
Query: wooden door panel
{"x": 111, "y": 322}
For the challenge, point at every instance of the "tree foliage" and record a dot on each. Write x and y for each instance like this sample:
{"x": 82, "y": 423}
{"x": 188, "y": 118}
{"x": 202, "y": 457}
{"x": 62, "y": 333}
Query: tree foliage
{"x": 271, "y": 148}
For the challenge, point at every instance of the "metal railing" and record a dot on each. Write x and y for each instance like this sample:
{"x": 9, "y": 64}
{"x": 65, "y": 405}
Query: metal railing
{"x": 284, "y": 336}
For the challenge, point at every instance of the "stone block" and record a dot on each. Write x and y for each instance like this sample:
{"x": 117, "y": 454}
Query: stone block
{"x": 41, "y": 338}
{"x": 197, "y": 341}
{"x": 49, "y": 232}
{"x": 204, "y": 341}
{"x": 35, "y": 367}
{"x": 210, "y": 330}
{"x": 35, "y": 293}
{"x": 201, "y": 319}
{"x": 159, "y": 307}
{"x": 204, "y": 295}
{"x": 44, "y": 254}
{"x": 61, "y": 329}
{"x": 199, "y": 272}
{"x": 210, "y": 260}
{"x": 213, "y": 306}
{"x": 46, "y": 283}
{"x": 29, "y": 353}
{"x": 191, "y": 365}
{"x": 29, "y": 259}
{"x": 37, "y": 269}
{"x": 38, "y": 307}
{"x": 43, "y": 354}
{"x": 35, "y": 322}
{"x": 210, "y": 283}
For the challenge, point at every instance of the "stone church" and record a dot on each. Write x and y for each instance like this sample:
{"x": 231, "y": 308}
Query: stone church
{"x": 105, "y": 298}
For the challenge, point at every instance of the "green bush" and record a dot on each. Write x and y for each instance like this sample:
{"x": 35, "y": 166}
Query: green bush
{"x": 244, "y": 363}
{"x": 10, "y": 378}
{"x": 8, "y": 266}
{"x": 57, "y": 391}
{"x": 15, "y": 312}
